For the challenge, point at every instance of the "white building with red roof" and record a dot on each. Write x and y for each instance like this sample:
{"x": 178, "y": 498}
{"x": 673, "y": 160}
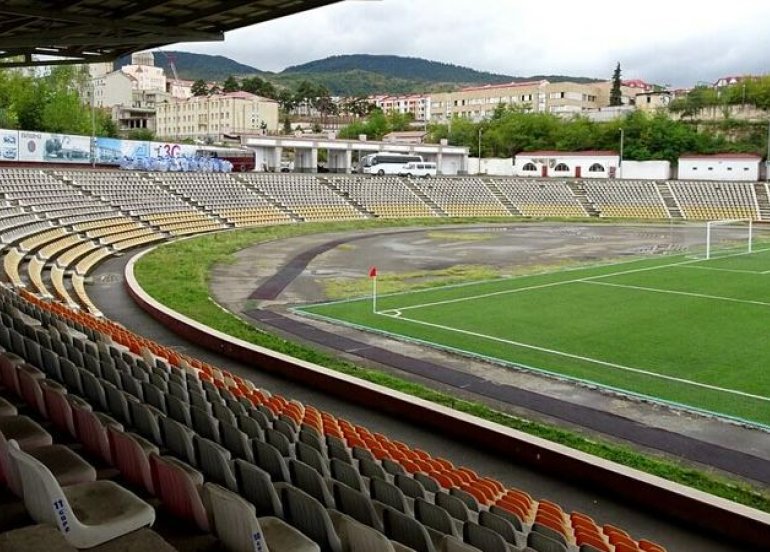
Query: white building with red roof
{"x": 567, "y": 164}
{"x": 720, "y": 166}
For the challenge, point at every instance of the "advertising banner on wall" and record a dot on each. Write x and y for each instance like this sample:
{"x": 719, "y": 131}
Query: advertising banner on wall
{"x": 167, "y": 149}
{"x": 54, "y": 148}
{"x": 110, "y": 151}
{"x": 9, "y": 145}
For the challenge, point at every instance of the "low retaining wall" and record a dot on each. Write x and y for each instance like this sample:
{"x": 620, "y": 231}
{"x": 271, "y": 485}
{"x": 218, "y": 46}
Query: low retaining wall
{"x": 711, "y": 514}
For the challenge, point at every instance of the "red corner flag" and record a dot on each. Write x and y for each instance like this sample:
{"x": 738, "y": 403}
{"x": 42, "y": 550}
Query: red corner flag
{"x": 373, "y": 277}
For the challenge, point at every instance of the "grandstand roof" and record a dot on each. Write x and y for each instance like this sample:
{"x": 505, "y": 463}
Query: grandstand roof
{"x": 77, "y": 31}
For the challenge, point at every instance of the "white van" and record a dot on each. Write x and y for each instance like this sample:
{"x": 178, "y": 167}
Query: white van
{"x": 421, "y": 169}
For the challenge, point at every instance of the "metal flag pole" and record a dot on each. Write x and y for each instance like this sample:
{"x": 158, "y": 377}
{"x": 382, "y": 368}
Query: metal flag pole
{"x": 373, "y": 276}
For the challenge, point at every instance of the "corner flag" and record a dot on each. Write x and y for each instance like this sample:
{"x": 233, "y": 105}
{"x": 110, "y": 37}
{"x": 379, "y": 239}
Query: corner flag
{"x": 373, "y": 276}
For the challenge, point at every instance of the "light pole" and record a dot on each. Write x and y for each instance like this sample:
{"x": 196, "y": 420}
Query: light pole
{"x": 93, "y": 123}
{"x": 479, "y": 150}
{"x": 620, "y": 162}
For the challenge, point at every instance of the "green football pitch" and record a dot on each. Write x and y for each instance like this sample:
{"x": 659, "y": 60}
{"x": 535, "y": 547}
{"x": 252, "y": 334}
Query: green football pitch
{"x": 683, "y": 330}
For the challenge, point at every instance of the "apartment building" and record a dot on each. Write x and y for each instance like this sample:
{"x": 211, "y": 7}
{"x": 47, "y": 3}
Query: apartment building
{"x": 212, "y": 117}
{"x": 479, "y": 102}
{"x": 417, "y": 105}
{"x": 565, "y": 98}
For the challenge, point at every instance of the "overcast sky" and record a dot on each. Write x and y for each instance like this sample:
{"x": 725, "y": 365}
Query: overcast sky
{"x": 660, "y": 41}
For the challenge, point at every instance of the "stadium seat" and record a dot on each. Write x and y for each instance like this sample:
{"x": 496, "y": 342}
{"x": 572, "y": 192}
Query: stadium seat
{"x": 66, "y": 466}
{"x": 355, "y": 504}
{"x": 214, "y": 462}
{"x": 178, "y": 486}
{"x": 309, "y": 480}
{"x": 309, "y": 516}
{"x": 131, "y": 454}
{"x": 483, "y": 538}
{"x": 405, "y": 529}
{"x": 88, "y": 514}
{"x": 235, "y": 522}
{"x": 256, "y": 486}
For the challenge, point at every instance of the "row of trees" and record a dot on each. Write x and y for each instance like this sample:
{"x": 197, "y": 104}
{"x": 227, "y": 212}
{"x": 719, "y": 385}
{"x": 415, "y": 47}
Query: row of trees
{"x": 749, "y": 91}
{"x": 305, "y": 96}
{"x": 646, "y": 137}
{"x": 50, "y": 103}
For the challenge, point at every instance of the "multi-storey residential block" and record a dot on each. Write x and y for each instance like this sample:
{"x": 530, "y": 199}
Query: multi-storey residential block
{"x": 212, "y": 117}
{"x": 417, "y": 105}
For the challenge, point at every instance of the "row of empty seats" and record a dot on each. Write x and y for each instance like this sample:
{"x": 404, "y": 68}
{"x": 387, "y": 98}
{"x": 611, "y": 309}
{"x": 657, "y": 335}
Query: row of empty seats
{"x": 74, "y": 219}
{"x": 170, "y": 422}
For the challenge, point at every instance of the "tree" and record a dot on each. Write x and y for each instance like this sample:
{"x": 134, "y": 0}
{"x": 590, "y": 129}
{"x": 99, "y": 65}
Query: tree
{"x": 141, "y": 134}
{"x": 286, "y": 125}
{"x": 286, "y": 100}
{"x": 260, "y": 87}
{"x": 200, "y": 88}
{"x": 616, "y": 96}
{"x": 230, "y": 85}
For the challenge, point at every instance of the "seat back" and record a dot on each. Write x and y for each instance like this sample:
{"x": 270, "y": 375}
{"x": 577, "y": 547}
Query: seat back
{"x": 43, "y": 497}
{"x": 499, "y": 525}
{"x": 236, "y": 441}
{"x": 309, "y": 516}
{"x": 214, "y": 462}
{"x": 8, "y": 472}
{"x": 355, "y": 504}
{"x": 508, "y": 516}
{"x": 310, "y": 481}
{"x": 234, "y": 520}
{"x": 483, "y": 538}
{"x": 267, "y": 457}
{"x": 178, "y": 487}
{"x": 388, "y": 494}
{"x": 543, "y": 543}
{"x": 434, "y": 517}
{"x": 8, "y": 365}
{"x": 346, "y": 473}
{"x": 363, "y": 537}
{"x": 409, "y": 486}
{"x": 57, "y": 406}
{"x": 146, "y": 420}
{"x": 178, "y": 439}
{"x": 452, "y": 504}
{"x": 29, "y": 387}
{"x": 406, "y": 530}
{"x": 257, "y": 488}
{"x": 90, "y": 431}
{"x": 131, "y": 455}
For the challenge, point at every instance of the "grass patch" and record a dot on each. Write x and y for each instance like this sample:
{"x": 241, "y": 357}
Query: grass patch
{"x": 343, "y": 288}
{"x": 184, "y": 288}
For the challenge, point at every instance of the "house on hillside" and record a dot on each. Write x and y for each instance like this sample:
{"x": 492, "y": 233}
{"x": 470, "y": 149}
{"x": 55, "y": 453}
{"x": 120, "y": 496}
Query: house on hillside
{"x": 566, "y": 164}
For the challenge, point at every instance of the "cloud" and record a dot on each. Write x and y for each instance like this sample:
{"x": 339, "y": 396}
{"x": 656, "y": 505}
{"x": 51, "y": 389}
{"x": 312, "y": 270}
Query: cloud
{"x": 660, "y": 41}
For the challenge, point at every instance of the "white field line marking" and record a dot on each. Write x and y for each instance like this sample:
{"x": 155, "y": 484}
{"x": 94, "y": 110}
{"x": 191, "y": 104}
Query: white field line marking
{"x": 727, "y": 269}
{"x": 552, "y": 284}
{"x": 686, "y": 293}
{"x": 587, "y": 359}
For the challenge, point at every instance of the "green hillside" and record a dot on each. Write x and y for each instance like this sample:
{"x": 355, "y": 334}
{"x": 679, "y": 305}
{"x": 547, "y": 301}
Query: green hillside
{"x": 407, "y": 68}
{"x": 191, "y": 66}
{"x": 348, "y": 75}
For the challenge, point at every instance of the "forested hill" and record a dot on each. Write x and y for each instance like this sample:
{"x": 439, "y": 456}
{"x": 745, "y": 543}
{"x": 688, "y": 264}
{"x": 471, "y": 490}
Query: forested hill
{"x": 398, "y": 67}
{"x": 348, "y": 75}
{"x": 197, "y": 66}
